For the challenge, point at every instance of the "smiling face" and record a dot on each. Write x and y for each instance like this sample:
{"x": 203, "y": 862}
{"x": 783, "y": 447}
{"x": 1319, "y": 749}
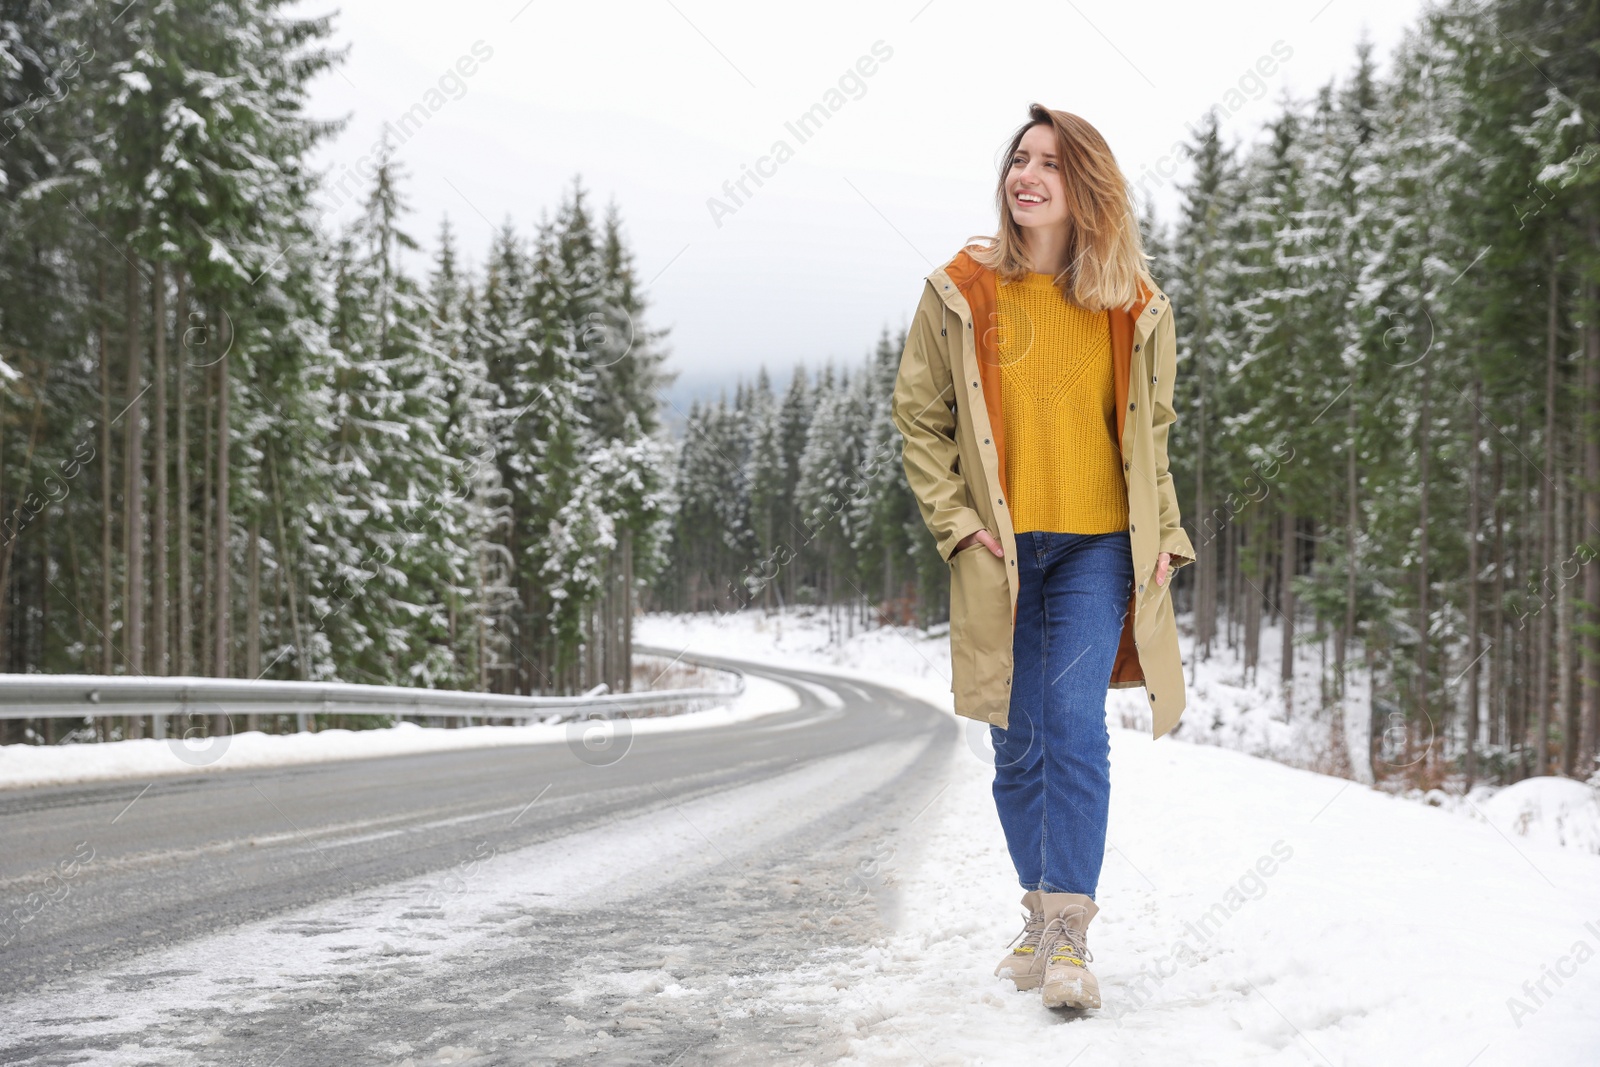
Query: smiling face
{"x": 1035, "y": 189}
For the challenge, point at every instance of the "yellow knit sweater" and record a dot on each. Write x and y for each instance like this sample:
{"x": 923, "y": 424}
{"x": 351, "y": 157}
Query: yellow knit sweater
{"x": 1063, "y": 464}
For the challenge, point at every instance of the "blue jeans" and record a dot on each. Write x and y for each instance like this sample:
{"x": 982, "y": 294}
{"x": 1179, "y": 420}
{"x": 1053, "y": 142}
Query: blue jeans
{"x": 1052, "y": 763}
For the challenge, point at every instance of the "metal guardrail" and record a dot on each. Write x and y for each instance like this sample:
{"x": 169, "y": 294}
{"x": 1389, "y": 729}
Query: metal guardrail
{"x": 80, "y": 696}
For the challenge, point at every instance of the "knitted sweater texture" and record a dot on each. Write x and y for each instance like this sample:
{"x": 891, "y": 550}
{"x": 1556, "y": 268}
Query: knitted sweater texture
{"x": 1063, "y": 463}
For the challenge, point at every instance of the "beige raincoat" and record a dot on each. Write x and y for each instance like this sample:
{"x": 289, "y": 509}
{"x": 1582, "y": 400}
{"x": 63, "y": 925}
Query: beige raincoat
{"x": 947, "y": 406}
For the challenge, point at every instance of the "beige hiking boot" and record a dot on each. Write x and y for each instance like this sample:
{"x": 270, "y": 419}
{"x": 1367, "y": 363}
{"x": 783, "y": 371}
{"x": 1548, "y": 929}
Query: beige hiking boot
{"x": 1064, "y": 949}
{"x": 1023, "y": 964}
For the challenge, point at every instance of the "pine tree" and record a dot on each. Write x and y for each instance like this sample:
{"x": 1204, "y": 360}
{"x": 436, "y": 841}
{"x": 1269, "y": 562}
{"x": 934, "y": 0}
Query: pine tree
{"x": 399, "y": 545}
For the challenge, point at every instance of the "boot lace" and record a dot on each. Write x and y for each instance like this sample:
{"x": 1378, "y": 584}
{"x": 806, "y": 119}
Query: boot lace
{"x": 1067, "y": 944}
{"x": 1032, "y": 930}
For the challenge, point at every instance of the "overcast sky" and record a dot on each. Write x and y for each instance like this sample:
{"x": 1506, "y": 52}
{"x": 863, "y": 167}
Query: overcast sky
{"x": 659, "y": 104}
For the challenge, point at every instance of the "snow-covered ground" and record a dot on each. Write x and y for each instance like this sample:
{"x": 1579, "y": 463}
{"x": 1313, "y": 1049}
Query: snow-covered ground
{"x": 1553, "y": 811}
{"x": 1251, "y": 912}
{"x": 29, "y": 765}
{"x": 1224, "y": 709}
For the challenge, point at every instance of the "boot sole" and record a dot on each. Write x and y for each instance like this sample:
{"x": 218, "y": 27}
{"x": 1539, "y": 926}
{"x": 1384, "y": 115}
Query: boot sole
{"x": 1066, "y": 997}
{"x": 1068, "y": 1002}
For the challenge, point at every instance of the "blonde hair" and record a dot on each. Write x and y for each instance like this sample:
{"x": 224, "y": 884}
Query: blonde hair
{"x": 1105, "y": 250}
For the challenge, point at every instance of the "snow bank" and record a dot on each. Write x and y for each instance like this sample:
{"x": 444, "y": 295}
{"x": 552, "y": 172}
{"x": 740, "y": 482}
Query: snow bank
{"x": 31, "y": 765}
{"x": 1549, "y": 810}
{"x": 1225, "y": 709}
{"x": 901, "y": 657}
{"x": 1251, "y": 913}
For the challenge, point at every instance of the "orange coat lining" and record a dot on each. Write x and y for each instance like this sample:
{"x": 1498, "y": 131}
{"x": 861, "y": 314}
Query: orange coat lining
{"x": 977, "y": 284}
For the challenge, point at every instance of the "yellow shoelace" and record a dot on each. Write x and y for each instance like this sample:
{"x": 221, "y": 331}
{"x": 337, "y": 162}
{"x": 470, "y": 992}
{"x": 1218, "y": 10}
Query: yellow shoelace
{"x": 1067, "y": 948}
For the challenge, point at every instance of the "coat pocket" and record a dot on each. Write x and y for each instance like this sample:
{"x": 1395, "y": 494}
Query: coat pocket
{"x": 1160, "y": 657}
{"x": 980, "y": 632}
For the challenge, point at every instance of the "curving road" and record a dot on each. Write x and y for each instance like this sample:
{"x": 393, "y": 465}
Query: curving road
{"x": 633, "y": 902}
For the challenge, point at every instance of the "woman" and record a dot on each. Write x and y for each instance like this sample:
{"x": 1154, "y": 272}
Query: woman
{"x": 1034, "y": 395}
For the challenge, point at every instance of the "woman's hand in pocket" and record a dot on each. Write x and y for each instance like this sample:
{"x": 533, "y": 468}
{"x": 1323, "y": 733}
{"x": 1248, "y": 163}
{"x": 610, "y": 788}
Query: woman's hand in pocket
{"x": 984, "y": 537}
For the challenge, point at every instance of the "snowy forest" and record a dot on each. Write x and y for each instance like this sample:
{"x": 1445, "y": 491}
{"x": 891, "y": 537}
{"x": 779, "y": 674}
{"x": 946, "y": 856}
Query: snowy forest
{"x": 235, "y": 445}
{"x": 234, "y": 442}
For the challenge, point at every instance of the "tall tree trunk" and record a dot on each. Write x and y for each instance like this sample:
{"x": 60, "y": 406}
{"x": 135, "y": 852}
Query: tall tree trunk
{"x": 1541, "y": 689}
{"x": 302, "y": 655}
{"x": 1256, "y": 543}
{"x": 160, "y": 595}
{"x": 1235, "y": 556}
{"x": 591, "y": 664}
{"x": 480, "y": 620}
{"x": 614, "y": 620}
{"x": 1523, "y": 655}
{"x": 106, "y": 562}
{"x": 1590, "y": 660}
{"x": 77, "y": 595}
{"x": 1287, "y": 552}
{"x": 185, "y": 659}
{"x": 1205, "y": 593}
{"x": 252, "y": 634}
{"x": 133, "y": 496}
{"x": 1563, "y": 624}
{"x": 252, "y": 639}
{"x": 208, "y": 525}
{"x": 1474, "y": 565}
{"x": 608, "y": 613}
{"x": 15, "y": 647}
{"x": 1424, "y": 608}
{"x": 42, "y": 586}
{"x": 221, "y": 659}
{"x": 1500, "y": 650}
{"x": 546, "y": 662}
{"x": 1351, "y": 522}
{"x": 627, "y": 610}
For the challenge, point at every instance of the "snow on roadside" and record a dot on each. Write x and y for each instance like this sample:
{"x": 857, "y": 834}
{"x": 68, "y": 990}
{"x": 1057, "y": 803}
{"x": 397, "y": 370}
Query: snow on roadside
{"x": 1553, "y": 811}
{"x": 904, "y": 657}
{"x": 32, "y": 765}
{"x": 1224, "y": 711}
{"x": 1250, "y": 913}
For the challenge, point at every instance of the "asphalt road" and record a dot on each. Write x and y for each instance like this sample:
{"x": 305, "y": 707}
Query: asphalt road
{"x": 625, "y": 900}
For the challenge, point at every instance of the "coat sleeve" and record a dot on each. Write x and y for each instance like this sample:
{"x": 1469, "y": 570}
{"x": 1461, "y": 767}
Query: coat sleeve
{"x": 1162, "y": 414}
{"x": 923, "y": 409}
